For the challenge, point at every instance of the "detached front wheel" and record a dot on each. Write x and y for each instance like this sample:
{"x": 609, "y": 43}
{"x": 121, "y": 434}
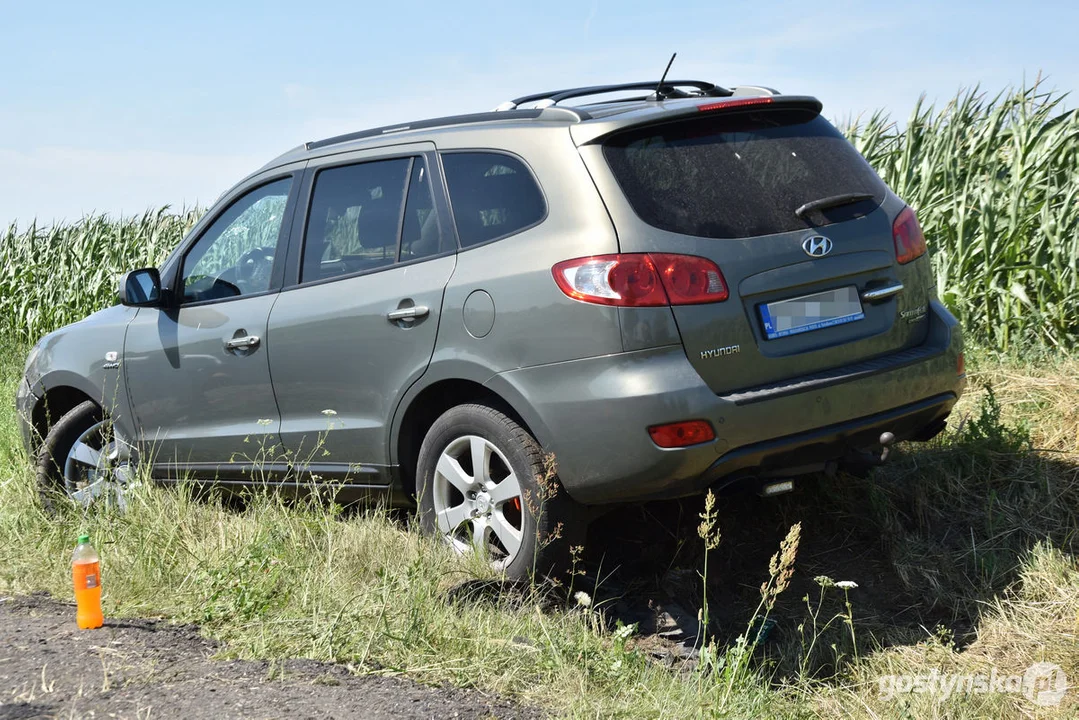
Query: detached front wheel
{"x": 483, "y": 487}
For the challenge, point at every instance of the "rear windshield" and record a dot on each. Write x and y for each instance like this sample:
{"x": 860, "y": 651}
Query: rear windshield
{"x": 740, "y": 175}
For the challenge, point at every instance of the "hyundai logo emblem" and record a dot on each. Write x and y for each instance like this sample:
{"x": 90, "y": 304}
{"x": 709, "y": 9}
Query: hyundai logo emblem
{"x": 817, "y": 246}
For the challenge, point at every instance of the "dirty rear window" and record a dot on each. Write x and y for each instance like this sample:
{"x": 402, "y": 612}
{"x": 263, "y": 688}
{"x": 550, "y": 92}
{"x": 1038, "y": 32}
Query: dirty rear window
{"x": 740, "y": 175}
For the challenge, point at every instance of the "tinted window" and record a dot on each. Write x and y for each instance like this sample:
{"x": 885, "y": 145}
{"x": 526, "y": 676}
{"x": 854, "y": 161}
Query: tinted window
{"x": 355, "y": 218}
{"x": 420, "y": 235}
{"x": 493, "y": 195}
{"x": 739, "y": 176}
{"x": 235, "y": 255}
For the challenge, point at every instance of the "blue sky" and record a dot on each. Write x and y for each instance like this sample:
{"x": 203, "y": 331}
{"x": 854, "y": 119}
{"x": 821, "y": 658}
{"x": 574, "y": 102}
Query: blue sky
{"x": 120, "y": 106}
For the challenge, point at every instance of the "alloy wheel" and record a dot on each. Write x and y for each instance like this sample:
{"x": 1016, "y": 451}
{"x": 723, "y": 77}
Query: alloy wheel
{"x": 478, "y": 501}
{"x": 98, "y": 465}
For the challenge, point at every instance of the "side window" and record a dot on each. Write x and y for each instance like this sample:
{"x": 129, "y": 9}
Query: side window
{"x": 493, "y": 195}
{"x": 355, "y": 218}
{"x": 235, "y": 256}
{"x": 420, "y": 235}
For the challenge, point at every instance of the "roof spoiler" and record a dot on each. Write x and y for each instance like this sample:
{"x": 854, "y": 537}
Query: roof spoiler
{"x": 599, "y": 129}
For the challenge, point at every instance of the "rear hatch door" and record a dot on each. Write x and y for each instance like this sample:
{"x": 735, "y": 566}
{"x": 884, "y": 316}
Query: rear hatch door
{"x": 730, "y": 186}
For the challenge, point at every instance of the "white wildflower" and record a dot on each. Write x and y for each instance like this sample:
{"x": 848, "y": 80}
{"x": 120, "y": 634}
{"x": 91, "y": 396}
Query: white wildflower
{"x": 583, "y": 599}
{"x": 265, "y": 421}
{"x": 846, "y": 584}
{"x": 328, "y": 412}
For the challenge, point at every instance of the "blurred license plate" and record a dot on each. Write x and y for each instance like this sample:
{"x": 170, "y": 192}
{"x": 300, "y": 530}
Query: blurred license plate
{"x": 811, "y": 312}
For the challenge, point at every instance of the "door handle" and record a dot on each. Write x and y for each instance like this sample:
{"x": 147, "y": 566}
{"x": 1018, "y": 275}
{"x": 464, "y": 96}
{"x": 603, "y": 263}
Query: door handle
{"x": 241, "y": 343}
{"x": 882, "y": 293}
{"x": 407, "y": 314}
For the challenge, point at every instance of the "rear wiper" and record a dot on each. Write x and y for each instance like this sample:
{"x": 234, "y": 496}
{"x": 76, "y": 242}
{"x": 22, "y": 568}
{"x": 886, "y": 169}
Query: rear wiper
{"x": 831, "y": 202}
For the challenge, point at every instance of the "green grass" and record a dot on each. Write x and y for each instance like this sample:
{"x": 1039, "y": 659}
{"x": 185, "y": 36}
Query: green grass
{"x": 281, "y": 580}
{"x": 978, "y": 524}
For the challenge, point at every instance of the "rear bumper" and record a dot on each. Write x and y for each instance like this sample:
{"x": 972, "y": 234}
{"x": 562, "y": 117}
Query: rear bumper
{"x": 593, "y": 415}
{"x": 779, "y": 456}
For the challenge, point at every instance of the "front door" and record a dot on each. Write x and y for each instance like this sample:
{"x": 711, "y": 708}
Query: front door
{"x": 360, "y": 326}
{"x": 197, "y": 370}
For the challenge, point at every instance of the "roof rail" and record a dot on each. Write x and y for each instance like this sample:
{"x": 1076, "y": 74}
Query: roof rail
{"x": 669, "y": 89}
{"x": 526, "y": 114}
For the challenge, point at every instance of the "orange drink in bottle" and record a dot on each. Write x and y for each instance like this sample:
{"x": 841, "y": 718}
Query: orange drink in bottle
{"x": 86, "y": 576}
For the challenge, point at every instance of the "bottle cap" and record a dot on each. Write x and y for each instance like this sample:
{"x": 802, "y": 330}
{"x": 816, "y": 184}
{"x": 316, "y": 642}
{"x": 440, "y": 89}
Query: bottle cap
{"x": 84, "y": 539}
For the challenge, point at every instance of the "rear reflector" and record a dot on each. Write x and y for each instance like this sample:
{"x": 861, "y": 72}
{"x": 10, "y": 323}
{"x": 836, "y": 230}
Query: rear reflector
{"x": 961, "y": 366}
{"x": 681, "y": 434}
{"x": 909, "y": 240}
{"x": 732, "y": 104}
{"x": 641, "y": 280}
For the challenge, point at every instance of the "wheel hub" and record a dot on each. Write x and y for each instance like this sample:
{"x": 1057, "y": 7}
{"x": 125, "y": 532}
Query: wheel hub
{"x": 482, "y": 503}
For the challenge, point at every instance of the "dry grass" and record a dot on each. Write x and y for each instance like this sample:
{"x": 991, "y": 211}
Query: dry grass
{"x": 1035, "y": 621}
{"x": 1042, "y": 392}
{"x": 987, "y": 530}
{"x": 977, "y": 527}
{"x": 283, "y": 580}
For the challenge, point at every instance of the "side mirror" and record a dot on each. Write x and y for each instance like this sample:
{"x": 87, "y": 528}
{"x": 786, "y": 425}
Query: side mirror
{"x": 141, "y": 288}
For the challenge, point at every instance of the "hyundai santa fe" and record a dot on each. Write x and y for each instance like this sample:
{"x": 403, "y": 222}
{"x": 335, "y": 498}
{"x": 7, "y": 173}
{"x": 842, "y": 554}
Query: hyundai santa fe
{"x": 510, "y": 319}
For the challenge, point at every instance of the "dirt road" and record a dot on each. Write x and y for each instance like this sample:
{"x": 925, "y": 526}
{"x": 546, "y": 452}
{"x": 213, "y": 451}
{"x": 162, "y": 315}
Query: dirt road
{"x": 145, "y": 669}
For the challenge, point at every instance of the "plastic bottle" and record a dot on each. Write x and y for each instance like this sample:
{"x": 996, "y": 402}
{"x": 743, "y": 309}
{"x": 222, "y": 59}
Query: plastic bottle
{"x": 86, "y": 576}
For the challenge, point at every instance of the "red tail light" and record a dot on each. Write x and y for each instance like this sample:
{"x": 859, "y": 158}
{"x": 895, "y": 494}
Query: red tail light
{"x": 689, "y": 279}
{"x": 961, "y": 366}
{"x": 642, "y": 280}
{"x": 909, "y": 240}
{"x": 681, "y": 434}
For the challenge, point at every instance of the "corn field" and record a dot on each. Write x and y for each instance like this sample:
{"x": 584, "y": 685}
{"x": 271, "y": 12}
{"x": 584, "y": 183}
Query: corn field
{"x": 995, "y": 182}
{"x": 53, "y": 276}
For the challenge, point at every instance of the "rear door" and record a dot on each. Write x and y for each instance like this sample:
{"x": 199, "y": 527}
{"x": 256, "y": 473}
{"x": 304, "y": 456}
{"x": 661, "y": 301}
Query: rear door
{"x": 357, "y": 326}
{"x": 728, "y": 186}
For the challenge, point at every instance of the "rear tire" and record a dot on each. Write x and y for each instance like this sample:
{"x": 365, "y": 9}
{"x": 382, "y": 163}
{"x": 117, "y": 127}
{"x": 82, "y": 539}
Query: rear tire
{"x": 514, "y": 509}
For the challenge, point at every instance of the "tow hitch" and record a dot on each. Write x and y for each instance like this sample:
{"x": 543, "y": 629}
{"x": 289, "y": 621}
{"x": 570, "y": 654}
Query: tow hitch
{"x": 856, "y": 462}
{"x": 859, "y": 463}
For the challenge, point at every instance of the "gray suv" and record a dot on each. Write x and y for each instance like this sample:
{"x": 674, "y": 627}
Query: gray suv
{"x": 515, "y": 317}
